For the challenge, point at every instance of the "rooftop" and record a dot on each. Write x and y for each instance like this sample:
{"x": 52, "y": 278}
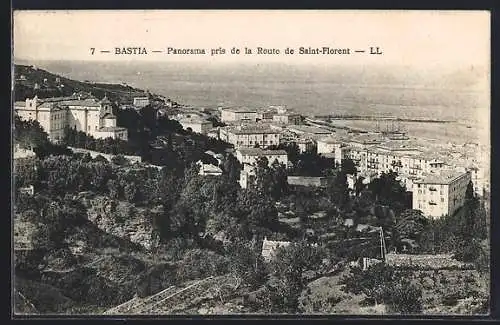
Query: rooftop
{"x": 253, "y": 130}
{"x": 194, "y": 120}
{"x": 442, "y": 177}
{"x": 261, "y": 152}
{"x": 368, "y": 139}
{"x": 240, "y": 110}
{"x": 20, "y": 153}
{"x": 111, "y": 129}
{"x": 308, "y": 129}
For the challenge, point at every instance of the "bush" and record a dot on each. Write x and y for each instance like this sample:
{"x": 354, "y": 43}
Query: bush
{"x": 199, "y": 264}
{"x": 403, "y": 298}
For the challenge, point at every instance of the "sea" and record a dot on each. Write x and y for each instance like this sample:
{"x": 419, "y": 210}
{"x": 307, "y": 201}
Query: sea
{"x": 460, "y": 95}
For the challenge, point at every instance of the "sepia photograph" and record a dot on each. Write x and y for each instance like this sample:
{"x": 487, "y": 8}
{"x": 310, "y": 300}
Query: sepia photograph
{"x": 250, "y": 162}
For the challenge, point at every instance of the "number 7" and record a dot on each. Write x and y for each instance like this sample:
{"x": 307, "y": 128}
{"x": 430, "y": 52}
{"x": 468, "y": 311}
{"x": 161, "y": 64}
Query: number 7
{"x": 92, "y": 49}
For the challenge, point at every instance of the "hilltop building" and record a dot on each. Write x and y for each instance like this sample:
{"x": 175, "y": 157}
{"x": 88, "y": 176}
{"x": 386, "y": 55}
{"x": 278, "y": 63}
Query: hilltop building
{"x": 81, "y": 112}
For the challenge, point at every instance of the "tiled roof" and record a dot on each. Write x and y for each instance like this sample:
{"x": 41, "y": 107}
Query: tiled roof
{"x": 442, "y": 177}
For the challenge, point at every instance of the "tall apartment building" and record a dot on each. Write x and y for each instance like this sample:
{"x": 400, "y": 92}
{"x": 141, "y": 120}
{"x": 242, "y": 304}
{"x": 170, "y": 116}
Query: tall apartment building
{"x": 440, "y": 194}
{"x": 81, "y": 112}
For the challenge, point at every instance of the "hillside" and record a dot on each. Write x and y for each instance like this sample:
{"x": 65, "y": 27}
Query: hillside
{"x": 30, "y": 81}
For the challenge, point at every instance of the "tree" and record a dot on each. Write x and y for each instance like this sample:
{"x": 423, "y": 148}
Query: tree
{"x": 370, "y": 282}
{"x": 348, "y": 166}
{"x": 359, "y": 185}
{"x": 130, "y": 192}
{"x": 247, "y": 264}
{"x": 338, "y": 189}
{"x": 387, "y": 190}
{"x": 287, "y": 280}
{"x": 114, "y": 190}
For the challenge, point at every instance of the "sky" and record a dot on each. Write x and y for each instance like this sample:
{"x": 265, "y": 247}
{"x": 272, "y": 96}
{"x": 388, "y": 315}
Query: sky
{"x": 413, "y": 38}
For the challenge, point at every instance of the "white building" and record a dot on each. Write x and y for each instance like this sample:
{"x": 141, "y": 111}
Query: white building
{"x": 250, "y": 155}
{"x": 249, "y": 136}
{"x": 229, "y": 115}
{"x": 269, "y": 248}
{"x": 196, "y": 124}
{"x": 141, "y": 101}
{"x": 81, "y": 112}
{"x": 23, "y": 157}
{"x": 440, "y": 194}
{"x": 247, "y": 175}
{"x": 332, "y": 147}
{"x": 209, "y": 169}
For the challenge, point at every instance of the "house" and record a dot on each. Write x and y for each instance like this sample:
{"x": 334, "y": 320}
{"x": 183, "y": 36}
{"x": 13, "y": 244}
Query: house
{"x": 196, "y": 124}
{"x": 269, "y": 248}
{"x": 209, "y": 170}
{"x": 24, "y": 158}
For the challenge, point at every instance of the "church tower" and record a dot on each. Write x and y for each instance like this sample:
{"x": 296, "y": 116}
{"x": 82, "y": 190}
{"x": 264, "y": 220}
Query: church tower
{"x": 106, "y": 116}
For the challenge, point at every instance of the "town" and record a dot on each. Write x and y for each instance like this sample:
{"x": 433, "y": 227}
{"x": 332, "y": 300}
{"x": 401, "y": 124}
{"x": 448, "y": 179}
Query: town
{"x": 214, "y": 204}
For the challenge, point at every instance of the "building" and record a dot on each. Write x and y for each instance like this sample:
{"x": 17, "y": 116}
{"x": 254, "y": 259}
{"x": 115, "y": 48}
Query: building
{"x": 439, "y": 194}
{"x": 229, "y": 115}
{"x": 309, "y": 181}
{"x": 23, "y": 158}
{"x": 247, "y": 176}
{"x": 209, "y": 169}
{"x": 250, "y": 136}
{"x": 196, "y": 124}
{"x": 331, "y": 147}
{"x": 287, "y": 118}
{"x": 250, "y": 155}
{"x": 81, "y": 112}
{"x": 309, "y": 131}
{"x": 305, "y": 144}
{"x": 269, "y": 248}
{"x": 265, "y": 115}
{"x": 141, "y": 101}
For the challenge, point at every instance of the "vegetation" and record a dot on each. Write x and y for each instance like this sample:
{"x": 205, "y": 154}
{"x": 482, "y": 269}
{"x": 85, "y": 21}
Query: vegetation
{"x": 209, "y": 226}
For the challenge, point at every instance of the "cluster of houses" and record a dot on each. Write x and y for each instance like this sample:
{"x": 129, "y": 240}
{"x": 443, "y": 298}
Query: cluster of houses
{"x": 438, "y": 188}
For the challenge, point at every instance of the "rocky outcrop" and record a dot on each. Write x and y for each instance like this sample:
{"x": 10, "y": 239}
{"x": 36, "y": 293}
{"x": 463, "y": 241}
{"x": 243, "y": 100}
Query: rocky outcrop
{"x": 124, "y": 220}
